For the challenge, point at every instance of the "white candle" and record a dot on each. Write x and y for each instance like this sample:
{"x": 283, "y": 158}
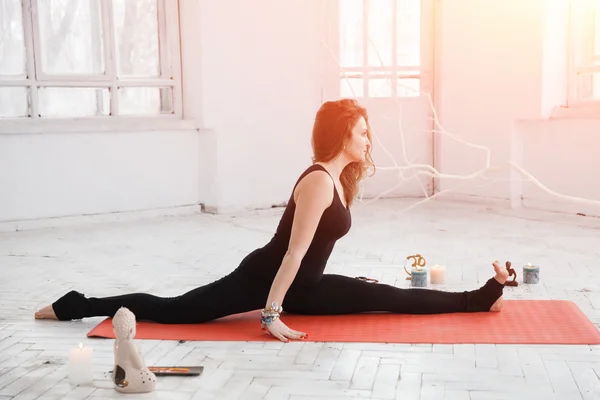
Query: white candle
{"x": 438, "y": 274}
{"x": 80, "y": 365}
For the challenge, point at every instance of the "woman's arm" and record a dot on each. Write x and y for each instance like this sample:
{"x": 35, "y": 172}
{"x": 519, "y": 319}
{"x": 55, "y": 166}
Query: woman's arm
{"x": 312, "y": 196}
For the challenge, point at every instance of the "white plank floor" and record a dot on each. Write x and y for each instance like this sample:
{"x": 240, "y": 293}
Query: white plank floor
{"x": 172, "y": 254}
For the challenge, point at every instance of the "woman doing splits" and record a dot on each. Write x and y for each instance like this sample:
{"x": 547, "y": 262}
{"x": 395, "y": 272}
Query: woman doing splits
{"x": 289, "y": 269}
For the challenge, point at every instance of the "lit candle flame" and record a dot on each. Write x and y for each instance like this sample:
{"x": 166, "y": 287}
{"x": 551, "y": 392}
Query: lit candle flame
{"x": 80, "y": 346}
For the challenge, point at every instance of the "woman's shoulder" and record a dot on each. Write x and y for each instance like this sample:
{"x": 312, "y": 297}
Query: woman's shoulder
{"x": 314, "y": 181}
{"x": 315, "y": 174}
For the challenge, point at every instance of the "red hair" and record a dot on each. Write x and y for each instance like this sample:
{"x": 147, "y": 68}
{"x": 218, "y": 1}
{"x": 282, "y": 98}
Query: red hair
{"x": 331, "y": 131}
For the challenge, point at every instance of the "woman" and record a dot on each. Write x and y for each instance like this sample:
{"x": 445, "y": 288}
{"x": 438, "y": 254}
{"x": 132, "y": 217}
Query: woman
{"x": 291, "y": 265}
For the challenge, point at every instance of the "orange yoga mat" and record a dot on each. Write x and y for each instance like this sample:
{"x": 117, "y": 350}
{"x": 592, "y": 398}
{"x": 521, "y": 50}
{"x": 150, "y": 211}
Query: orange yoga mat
{"x": 520, "y": 322}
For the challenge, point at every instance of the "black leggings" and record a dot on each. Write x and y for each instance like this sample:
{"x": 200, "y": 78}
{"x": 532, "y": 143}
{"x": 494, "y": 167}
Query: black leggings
{"x": 238, "y": 293}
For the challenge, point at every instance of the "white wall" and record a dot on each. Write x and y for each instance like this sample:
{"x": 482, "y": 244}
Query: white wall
{"x": 260, "y": 90}
{"x": 563, "y": 156}
{"x": 64, "y": 174}
{"x": 501, "y": 64}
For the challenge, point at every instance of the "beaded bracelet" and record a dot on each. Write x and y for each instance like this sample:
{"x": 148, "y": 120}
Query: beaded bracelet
{"x": 267, "y": 320}
{"x": 273, "y": 308}
{"x": 269, "y": 314}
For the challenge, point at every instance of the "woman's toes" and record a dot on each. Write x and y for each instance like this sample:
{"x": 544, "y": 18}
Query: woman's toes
{"x": 501, "y": 272}
{"x": 46, "y": 313}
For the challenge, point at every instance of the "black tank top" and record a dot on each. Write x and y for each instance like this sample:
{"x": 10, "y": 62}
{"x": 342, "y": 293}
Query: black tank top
{"x": 334, "y": 224}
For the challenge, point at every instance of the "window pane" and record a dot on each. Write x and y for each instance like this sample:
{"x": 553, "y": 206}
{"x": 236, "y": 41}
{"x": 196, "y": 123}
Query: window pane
{"x": 408, "y": 87}
{"x": 14, "y": 102}
{"x": 589, "y": 86}
{"x": 73, "y": 102}
{"x": 136, "y": 36}
{"x": 70, "y": 37}
{"x": 380, "y": 32}
{"x": 409, "y": 33}
{"x": 145, "y": 101}
{"x": 12, "y": 44}
{"x": 380, "y": 85}
{"x": 351, "y": 87}
{"x": 351, "y": 33}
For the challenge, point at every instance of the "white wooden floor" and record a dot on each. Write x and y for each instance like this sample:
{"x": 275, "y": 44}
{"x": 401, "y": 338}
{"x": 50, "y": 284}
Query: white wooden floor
{"x": 170, "y": 255}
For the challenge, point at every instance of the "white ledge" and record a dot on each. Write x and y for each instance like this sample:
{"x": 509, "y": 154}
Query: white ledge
{"x": 94, "y": 124}
{"x": 583, "y": 110}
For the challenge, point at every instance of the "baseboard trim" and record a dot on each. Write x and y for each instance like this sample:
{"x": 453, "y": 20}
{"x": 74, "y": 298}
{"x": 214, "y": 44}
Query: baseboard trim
{"x": 565, "y": 207}
{"x": 472, "y": 199}
{"x": 71, "y": 220}
{"x": 232, "y": 210}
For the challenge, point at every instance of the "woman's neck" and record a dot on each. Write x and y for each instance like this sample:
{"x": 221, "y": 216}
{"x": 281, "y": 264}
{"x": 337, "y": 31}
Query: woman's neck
{"x": 335, "y": 167}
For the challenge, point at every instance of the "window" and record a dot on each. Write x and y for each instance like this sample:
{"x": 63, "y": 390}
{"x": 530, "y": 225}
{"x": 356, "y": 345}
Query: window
{"x": 89, "y": 58}
{"x": 584, "y": 63}
{"x": 380, "y": 48}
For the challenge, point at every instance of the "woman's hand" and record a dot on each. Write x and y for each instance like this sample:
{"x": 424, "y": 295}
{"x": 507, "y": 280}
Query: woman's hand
{"x": 280, "y": 330}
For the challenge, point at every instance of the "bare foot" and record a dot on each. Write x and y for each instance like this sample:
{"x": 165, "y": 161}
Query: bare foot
{"x": 497, "y": 306}
{"x": 46, "y": 313}
{"x": 501, "y": 276}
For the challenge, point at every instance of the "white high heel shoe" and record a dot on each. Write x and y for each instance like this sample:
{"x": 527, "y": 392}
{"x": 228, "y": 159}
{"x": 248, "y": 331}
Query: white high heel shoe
{"x": 130, "y": 374}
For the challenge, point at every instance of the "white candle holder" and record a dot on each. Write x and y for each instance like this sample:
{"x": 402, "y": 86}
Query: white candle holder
{"x": 418, "y": 277}
{"x": 531, "y": 274}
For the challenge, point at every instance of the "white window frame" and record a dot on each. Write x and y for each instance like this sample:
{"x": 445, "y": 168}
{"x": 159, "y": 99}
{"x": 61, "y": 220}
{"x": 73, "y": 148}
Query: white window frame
{"x": 170, "y": 76}
{"x": 581, "y": 30}
{"x": 392, "y": 72}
